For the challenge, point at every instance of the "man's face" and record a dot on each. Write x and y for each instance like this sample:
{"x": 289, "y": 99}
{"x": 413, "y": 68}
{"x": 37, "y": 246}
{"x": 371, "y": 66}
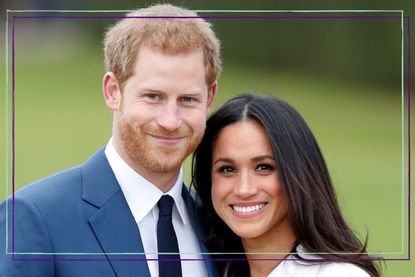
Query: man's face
{"x": 163, "y": 110}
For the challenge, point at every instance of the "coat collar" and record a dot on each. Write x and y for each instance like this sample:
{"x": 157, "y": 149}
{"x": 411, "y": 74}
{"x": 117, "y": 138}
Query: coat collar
{"x": 112, "y": 223}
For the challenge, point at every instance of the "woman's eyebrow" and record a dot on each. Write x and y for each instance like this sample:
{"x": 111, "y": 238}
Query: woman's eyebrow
{"x": 226, "y": 160}
{"x": 254, "y": 159}
{"x": 262, "y": 157}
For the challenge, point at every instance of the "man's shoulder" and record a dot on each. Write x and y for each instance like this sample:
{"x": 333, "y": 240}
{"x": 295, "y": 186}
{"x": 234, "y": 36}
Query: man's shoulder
{"x": 59, "y": 186}
{"x": 60, "y": 182}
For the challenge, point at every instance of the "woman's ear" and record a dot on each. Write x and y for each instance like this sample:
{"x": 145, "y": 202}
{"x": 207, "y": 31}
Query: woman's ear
{"x": 111, "y": 90}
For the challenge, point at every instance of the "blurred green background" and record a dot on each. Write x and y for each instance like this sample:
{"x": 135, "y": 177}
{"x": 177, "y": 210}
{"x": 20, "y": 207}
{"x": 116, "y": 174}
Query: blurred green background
{"x": 343, "y": 76}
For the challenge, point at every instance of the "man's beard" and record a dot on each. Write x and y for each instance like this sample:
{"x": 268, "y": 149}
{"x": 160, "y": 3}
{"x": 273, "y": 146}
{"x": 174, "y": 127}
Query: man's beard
{"x": 154, "y": 156}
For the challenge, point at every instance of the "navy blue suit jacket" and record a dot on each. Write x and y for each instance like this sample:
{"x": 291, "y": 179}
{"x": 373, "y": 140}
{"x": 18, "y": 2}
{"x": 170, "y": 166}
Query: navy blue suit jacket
{"x": 77, "y": 223}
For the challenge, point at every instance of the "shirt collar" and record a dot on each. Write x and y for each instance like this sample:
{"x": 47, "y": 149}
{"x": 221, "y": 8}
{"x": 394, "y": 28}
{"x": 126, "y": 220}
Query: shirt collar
{"x": 141, "y": 194}
{"x": 176, "y": 193}
{"x": 302, "y": 252}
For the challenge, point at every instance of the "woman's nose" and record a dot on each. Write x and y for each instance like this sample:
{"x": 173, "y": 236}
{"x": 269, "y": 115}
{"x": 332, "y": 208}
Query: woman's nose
{"x": 245, "y": 186}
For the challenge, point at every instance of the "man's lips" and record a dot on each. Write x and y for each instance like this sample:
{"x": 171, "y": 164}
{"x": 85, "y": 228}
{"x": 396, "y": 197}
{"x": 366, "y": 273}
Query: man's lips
{"x": 168, "y": 139}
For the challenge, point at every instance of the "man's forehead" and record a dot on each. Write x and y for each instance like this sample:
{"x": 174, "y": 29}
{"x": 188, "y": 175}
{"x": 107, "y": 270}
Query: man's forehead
{"x": 168, "y": 51}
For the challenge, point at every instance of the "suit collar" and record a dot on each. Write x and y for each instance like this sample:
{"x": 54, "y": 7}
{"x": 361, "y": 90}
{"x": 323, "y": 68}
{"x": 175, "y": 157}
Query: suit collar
{"x": 112, "y": 223}
{"x": 99, "y": 182}
{"x": 119, "y": 237}
{"x": 140, "y": 193}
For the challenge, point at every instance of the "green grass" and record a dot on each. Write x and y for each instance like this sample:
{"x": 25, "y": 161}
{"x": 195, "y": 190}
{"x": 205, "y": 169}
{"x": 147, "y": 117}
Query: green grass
{"x": 61, "y": 120}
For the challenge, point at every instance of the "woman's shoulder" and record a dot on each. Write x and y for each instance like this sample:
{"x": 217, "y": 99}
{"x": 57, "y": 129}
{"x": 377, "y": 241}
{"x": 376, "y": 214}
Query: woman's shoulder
{"x": 309, "y": 265}
{"x": 341, "y": 270}
{"x": 323, "y": 269}
{"x": 333, "y": 268}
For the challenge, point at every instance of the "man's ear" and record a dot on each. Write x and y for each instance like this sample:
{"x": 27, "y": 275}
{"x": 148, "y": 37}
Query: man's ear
{"x": 212, "y": 95}
{"x": 111, "y": 90}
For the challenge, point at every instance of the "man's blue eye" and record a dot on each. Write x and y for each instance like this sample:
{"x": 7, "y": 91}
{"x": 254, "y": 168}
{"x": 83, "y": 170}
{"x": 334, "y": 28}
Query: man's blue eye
{"x": 152, "y": 96}
{"x": 187, "y": 99}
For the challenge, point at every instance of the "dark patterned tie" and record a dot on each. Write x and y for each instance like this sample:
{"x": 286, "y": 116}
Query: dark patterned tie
{"x": 169, "y": 264}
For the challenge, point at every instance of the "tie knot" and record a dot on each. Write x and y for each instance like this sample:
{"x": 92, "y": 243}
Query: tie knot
{"x": 165, "y": 205}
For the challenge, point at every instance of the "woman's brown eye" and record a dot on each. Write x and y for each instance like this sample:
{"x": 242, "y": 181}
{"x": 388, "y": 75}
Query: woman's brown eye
{"x": 226, "y": 169}
{"x": 265, "y": 167}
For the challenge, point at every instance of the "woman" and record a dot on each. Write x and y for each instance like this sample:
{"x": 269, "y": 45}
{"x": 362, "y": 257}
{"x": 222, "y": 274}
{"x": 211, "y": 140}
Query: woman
{"x": 266, "y": 189}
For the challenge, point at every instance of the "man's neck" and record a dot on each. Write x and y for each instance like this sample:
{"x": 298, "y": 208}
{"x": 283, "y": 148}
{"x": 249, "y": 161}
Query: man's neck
{"x": 164, "y": 181}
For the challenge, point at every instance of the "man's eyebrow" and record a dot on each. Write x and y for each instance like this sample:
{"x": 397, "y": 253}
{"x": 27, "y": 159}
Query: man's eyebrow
{"x": 151, "y": 90}
{"x": 192, "y": 93}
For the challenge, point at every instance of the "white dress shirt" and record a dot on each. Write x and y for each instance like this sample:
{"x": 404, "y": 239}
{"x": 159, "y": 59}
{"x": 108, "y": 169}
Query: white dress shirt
{"x": 142, "y": 197}
{"x": 296, "y": 268}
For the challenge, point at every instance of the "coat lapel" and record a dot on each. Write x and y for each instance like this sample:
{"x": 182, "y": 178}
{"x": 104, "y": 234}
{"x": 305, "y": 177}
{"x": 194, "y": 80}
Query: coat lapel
{"x": 112, "y": 222}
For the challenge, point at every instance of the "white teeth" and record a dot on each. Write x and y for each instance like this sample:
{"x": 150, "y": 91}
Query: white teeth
{"x": 248, "y": 209}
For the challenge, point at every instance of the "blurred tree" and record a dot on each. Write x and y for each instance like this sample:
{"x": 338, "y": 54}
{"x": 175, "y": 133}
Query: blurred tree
{"x": 367, "y": 50}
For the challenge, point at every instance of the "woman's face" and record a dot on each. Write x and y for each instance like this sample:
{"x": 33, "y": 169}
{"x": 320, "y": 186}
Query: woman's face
{"x": 246, "y": 191}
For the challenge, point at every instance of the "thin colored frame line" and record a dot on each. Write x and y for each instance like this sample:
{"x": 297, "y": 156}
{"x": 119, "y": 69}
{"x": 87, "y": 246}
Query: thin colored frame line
{"x": 192, "y": 253}
{"x": 216, "y": 11}
{"x": 403, "y": 134}
{"x": 113, "y": 17}
{"x": 213, "y": 17}
{"x": 207, "y": 259}
{"x": 409, "y": 137}
{"x": 13, "y": 126}
{"x": 7, "y": 127}
{"x": 13, "y": 134}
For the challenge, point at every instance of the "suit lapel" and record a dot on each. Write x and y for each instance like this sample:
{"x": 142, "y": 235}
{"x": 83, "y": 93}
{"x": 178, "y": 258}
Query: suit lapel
{"x": 112, "y": 222}
{"x": 117, "y": 232}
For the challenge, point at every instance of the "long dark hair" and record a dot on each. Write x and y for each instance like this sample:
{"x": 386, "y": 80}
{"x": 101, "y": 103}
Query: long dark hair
{"x": 313, "y": 209}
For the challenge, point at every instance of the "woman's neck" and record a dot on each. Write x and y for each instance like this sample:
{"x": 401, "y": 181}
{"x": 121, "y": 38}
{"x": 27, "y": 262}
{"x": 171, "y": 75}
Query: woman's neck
{"x": 282, "y": 241}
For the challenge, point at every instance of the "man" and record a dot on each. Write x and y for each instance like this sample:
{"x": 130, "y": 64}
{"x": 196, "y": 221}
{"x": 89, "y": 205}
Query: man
{"x": 128, "y": 198}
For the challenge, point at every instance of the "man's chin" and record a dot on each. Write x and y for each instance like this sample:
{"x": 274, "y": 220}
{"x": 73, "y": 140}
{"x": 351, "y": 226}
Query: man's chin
{"x": 163, "y": 167}
{"x": 167, "y": 161}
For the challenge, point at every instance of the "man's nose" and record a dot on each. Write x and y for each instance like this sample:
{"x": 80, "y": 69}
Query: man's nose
{"x": 168, "y": 117}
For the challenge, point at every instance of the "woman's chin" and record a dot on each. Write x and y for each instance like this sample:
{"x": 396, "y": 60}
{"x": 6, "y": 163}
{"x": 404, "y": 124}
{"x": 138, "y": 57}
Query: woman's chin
{"x": 247, "y": 233}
